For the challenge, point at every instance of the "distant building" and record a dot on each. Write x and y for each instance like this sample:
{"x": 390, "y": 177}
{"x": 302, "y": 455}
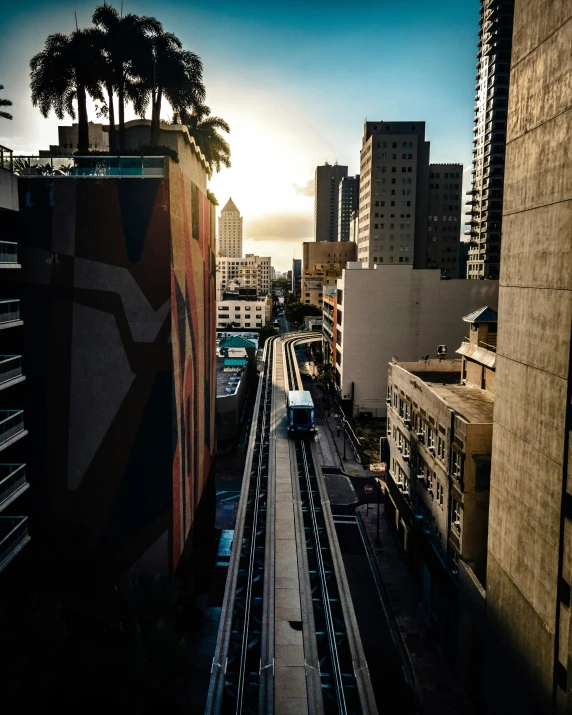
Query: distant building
{"x": 296, "y": 276}
{"x": 326, "y": 194}
{"x": 68, "y": 137}
{"x": 348, "y": 204}
{"x": 273, "y": 273}
{"x": 230, "y": 231}
{"x": 241, "y": 310}
{"x": 443, "y": 220}
{"x": 394, "y": 312}
{"x": 490, "y": 135}
{"x": 322, "y": 265}
{"x": 394, "y": 183}
{"x": 440, "y": 428}
{"x": 250, "y": 272}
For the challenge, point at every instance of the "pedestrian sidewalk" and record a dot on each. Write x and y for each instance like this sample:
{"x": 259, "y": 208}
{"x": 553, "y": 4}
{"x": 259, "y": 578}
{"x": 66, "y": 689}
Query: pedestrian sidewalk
{"x": 345, "y": 455}
{"x": 436, "y": 691}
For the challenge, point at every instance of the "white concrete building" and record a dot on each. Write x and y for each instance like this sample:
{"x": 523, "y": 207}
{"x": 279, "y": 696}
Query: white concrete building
{"x": 395, "y": 312}
{"x": 243, "y": 314}
{"x": 248, "y": 272}
{"x": 230, "y": 231}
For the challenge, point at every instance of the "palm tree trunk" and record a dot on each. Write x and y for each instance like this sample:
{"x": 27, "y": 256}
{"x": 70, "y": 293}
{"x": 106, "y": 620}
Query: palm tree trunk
{"x": 121, "y": 97}
{"x": 112, "y": 133}
{"x": 83, "y": 127}
{"x": 156, "y": 118}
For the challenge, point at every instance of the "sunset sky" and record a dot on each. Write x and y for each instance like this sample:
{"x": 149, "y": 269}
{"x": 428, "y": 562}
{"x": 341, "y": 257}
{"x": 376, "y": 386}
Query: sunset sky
{"x": 295, "y": 81}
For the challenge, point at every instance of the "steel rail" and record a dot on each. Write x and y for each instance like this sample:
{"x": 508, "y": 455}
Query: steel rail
{"x": 258, "y": 438}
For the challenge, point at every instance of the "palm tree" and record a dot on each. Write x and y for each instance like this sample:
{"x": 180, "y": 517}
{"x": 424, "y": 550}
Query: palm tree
{"x": 125, "y": 45}
{"x": 172, "y": 73}
{"x": 205, "y": 130}
{"x": 66, "y": 70}
{"x": 5, "y": 103}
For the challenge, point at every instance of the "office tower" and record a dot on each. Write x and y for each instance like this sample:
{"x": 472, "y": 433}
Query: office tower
{"x": 118, "y": 299}
{"x": 230, "y": 231}
{"x": 296, "y": 277}
{"x": 486, "y": 193}
{"x": 14, "y": 417}
{"x": 250, "y": 271}
{"x": 529, "y": 565}
{"x": 443, "y": 220}
{"x": 348, "y": 203}
{"x": 326, "y": 193}
{"x": 394, "y": 183}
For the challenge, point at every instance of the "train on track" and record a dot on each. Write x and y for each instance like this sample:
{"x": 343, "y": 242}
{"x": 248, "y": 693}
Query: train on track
{"x": 301, "y": 416}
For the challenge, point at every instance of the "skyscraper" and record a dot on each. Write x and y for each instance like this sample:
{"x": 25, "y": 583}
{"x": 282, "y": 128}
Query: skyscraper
{"x": 443, "y": 220}
{"x": 529, "y": 565}
{"x": 230, "y": 231}
{"x": 348, "y": 202}
{"x": 491, "y": 100}
{"x": 326, "y": 193}
{"x": 393, "y": 192}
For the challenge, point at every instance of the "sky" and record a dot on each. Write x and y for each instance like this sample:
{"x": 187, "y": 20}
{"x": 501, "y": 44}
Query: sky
{"x": 295, "y": 81}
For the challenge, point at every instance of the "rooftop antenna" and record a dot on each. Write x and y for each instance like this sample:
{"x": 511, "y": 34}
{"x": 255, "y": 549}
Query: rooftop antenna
{"x": 76, "y": 27}
{"x": 121, "y": 8}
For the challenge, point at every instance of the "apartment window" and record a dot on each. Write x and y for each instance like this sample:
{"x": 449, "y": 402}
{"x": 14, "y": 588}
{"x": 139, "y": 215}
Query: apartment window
{"x": 457, "y": 464}
{"x": 456, "y": 514}
{"x": 441, "y": 448}
{"x": 388, "y": 427}
{"x": 439, "y": 493}
{"x": 395, "y": 400}
{"x": 430, "y": 437}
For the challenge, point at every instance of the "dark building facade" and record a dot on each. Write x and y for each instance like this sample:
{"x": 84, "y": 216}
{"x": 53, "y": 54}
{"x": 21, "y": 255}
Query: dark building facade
{"x": 118, "y": 286}
{"x": 491, "y": 104}
{"x": 443, "y": 220}
{"x": 348, "y": 203}
{"x": 326, "y": 193}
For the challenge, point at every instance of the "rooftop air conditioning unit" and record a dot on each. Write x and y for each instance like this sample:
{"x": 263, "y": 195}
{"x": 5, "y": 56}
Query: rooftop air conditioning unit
{"x": 442, "y": 352}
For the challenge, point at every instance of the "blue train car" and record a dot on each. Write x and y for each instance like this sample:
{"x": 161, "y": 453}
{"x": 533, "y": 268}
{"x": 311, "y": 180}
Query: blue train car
{"x": 301, "y": 418}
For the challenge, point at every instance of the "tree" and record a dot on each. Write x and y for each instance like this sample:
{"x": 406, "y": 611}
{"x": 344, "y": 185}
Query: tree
{"x": 125, "y": 43}
{"x": 66, "y": 70}
{"x": 205, "y": 130}
{"x": 296, "y": 311}
{"x": 5, "y": 103}
{"x": 268, "y": 331}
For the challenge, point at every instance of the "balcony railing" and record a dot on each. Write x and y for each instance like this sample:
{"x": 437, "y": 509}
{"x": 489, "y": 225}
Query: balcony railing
{"x": 89, "y": 167}
{"x": 12, "y": 481}
{"x": 10, "y": 367}
{"x": 9, "y": 312}
{"x": 8, "y": 253}
{"x": 13, "y": 537}
{"x": 11, "y": 424}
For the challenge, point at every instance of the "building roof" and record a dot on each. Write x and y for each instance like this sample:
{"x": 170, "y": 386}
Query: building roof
{"x": 230, "y": 206}
{"x": 482, "y": 315}
{"x": 235, "y": 362}
{"x": 237, "y": 341}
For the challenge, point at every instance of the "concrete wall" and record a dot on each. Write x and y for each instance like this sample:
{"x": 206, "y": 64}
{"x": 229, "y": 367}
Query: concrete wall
{"x": 8, "y": 190}
{"x": 529, "y": 535}
{"x": 323, "y": 252}
{"x": 398, "y": 311}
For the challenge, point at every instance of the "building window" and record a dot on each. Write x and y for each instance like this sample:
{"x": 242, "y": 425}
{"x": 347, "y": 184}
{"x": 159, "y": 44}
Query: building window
{"x": 457, "y": 462}
{"x": 439, "y": 493}
{"x": 441, "y": 448}
{"x": 456, "y": 514}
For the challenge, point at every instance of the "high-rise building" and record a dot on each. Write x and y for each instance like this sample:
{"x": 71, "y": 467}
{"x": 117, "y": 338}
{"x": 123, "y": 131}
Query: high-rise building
{"x": 251, "y": 272}
{"x": 296, "y": 277}
{"x": 230, "y": 231}
{"x": 326, "y": 194}
{"x": 348, "y": 203}
{"x": 118, "y": 300}
{"x": 394, "y": 183}
{"x": 529, "y": 564}
{"x": 14, "y": 418}
{"x": 491, "y": 101}
{"x": 443, "y": 220}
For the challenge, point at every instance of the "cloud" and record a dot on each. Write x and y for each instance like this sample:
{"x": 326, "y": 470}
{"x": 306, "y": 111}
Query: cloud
{"x": 282, "y": 227}
{"x": 307, "y": 190}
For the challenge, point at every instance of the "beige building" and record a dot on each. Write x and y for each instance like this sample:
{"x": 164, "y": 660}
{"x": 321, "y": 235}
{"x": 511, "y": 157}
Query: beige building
{"x": 229, "y": 242}
{"x": 491, "y": 101}
{"x": 68, "y": 136}
{"x": 529, "y": 566}
{"x": 245, "y": 314}
{"x": 326, "y": 196}
{"x": 249, "y": 271}
{"x": 439, "y": 428}
{"x": 322, "y": 265}
{"x": 396, "y": 312}
{"x": 394, "y": 168}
